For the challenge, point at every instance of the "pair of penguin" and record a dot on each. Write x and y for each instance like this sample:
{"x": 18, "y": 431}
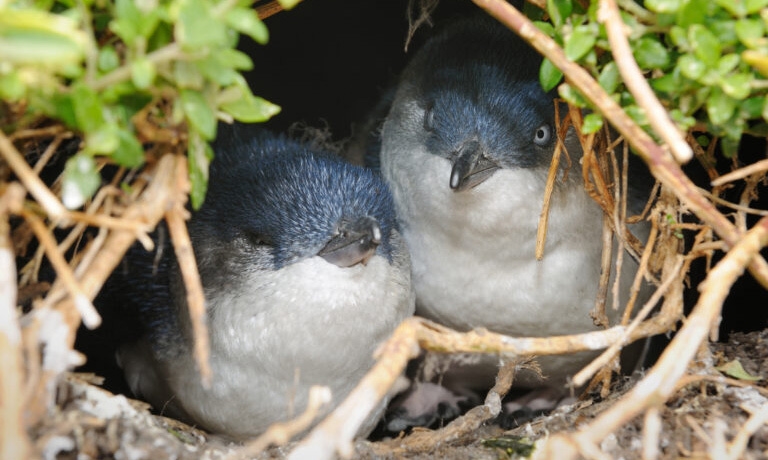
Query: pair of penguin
{"x": 309, "y": 263}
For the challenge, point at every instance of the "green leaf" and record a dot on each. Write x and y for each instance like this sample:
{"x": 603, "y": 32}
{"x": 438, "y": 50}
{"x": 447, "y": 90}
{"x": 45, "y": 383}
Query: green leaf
{"x": 114, "y": 92}
{"x": 752, "y": 107}
{"x": 765, "y": 109}
{"x": 30, "y": 37}
{"x": 143, "y": 73}
{"x": 593, "y": 122}
{"x": 729, "y": 146}
{"x": 63, "y": 109}
{"x": 706, "y": 46}
{"x": 549, "y": 75}
{"x": 89, "y": 112}
{"x": 235, "y": 59}
{"x": 132, "y": 21}
{"x": 216, "y": 69}
{"x": 288, "y": 4}
{"x": 12, "y": 88}
{"x": 579, "y": 43}
{"x": 187, "y": 75}
{"x": 199, "y": 113}
{"x": 727, "y": 63}
{"x": 753, "y": 6}
{"x": 637, "y": 114}
{"x": 736, "y": 370}
{"x": 738, "y": 86}
{"x": 650, "y": 53}
{"x": 683, "y": 121}
{"x": 736, "y": 8}
{"x": 545, "y": 27}
{"x": 691, "y": 67}
{"x": 126, "y": 21}
{"x": 692, "y": 12}
{"x": 149, "y": 23}
{"x": 559, "y": 10}
{"x": 571, "y": 95}
{"x": 80, "y": 181}
{"x": 197, "y": 27}
{"x": 129, "y": 152}
{"x": 108, "y": 59}
{"x": 103, "y": 141}
{"x": 669, "y": 83}
{"x": 725, "y": 31}
{"x": 131, "y": 104}
{"x": 679, "y": 37}
{"x": 609, "y": 77}
{"x": 663, "y": 6}
{"x": 720, "y": 107}
{"x": 703, "y": 141}
{"x": 749, "y": 31}
{"x": 199, "y": 156}
{"x": 246, "y": 21}
{"x": 249, "y": 108}
{"x": 163, "y": 35}
{"x": 758, "y": 130}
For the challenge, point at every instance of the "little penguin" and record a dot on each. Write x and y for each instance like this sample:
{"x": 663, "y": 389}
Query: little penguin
{"x": 304, "y": 273}
{"x": 466, "y": 147}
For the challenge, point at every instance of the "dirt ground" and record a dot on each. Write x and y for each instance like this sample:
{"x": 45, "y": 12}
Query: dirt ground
{"x": 702, "y": 420}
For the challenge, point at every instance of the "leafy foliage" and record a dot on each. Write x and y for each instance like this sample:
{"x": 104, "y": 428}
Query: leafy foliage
{"x": 117, "y": 72}
{"x": 707, "y": 61}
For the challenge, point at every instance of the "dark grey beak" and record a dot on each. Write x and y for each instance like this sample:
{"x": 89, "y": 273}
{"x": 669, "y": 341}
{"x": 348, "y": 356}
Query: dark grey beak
{"x": 471, "y": 168}
{"x": 355, "y": 243}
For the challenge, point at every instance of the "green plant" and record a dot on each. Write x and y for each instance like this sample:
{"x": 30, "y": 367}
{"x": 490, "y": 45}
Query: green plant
{"x": 706, "y": 61}
{"x": 126, "y": 74}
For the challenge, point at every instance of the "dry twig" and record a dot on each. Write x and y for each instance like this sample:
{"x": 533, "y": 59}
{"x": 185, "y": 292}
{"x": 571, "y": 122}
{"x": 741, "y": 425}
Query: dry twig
{"x": 427, "y": 440}
{"x": 53, "y": 207}
{"x": 149, "y": 208}
{"x": 336, "y": 432}
{"x": 636, "y": 83}
{"x": 660, "y": 383}
{"x": 14, "y": 443}
{"x": 554, "y": 167}
{"x": 182, "y": 245}
{"x": 758, "y": 418}
{"x": 80, "y": 301}
{"x": 741, "y": 173}
{"x": 282, "y": 432}
{"x": 651, "y": 431}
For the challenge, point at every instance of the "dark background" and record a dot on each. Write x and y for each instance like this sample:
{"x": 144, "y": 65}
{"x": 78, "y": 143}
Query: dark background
{"x": 328, "y": 61}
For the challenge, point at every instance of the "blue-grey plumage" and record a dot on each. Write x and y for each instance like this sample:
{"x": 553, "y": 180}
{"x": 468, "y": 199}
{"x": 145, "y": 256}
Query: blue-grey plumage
{"x": 304, "y": 274}
{"x": 466, "y": 149}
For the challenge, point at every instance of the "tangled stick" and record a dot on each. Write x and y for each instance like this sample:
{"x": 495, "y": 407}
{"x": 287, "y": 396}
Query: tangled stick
{"x": 149, "y": 209}
{"x": 661, "y": 381}
{"x": 14, "y": 442}
{"x": 336, "y": 433}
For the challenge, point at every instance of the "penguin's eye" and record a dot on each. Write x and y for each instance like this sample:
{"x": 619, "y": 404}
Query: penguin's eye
{"x": 429, "y": 118}
{"x": 259, "y": 239}
{"x": 543, "y": 135}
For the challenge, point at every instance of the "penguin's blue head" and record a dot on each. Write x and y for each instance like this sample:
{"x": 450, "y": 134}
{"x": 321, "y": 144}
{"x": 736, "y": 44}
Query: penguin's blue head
{"x": 272, "y": 202}
{"x": 483, "y": 107}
